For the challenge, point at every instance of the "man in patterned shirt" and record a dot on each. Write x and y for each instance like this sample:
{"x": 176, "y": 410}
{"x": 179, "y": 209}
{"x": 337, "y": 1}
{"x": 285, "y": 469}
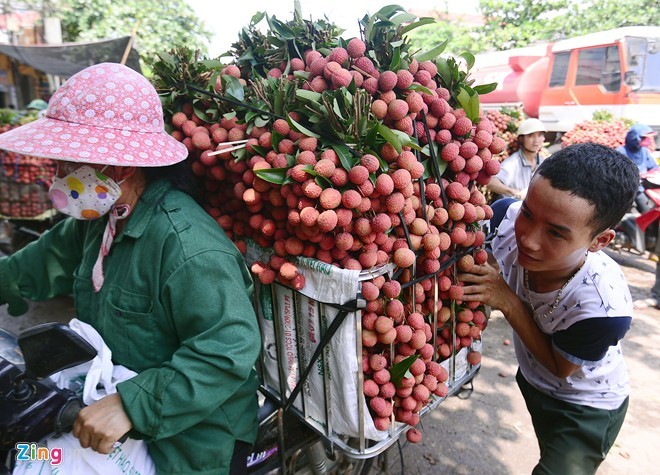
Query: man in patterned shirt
{"x": 567, "y": 302}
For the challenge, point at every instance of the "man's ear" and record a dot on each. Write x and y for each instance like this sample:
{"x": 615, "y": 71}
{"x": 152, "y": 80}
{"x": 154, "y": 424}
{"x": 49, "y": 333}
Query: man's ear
{"x": 602, "y": 240}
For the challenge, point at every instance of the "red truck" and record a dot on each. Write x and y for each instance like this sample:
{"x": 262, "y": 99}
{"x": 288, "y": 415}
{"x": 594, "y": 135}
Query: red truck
{"x": 565, "y": 82}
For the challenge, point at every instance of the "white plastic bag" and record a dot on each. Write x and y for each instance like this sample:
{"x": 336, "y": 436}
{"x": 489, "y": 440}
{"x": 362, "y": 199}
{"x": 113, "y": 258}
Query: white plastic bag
{"x": 65, "y": 455}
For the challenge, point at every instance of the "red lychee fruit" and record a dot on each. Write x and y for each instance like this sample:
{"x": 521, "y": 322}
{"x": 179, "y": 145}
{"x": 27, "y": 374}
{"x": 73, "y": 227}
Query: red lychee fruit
{"x": 397, "y": 109}
{"x": 356, "y": 48}
{"x": 450, "y": 152}
{"x": 483, "y": 138}
{"x": 370, "y": 388}
{"x": 401, "y": 178}
{"x": 379, "y": 108}
{"x": 497, "y": 146}
{"x": 468, "y": 149}
{"x": 338, "y": 55}
{"x": 404, "y": 79}
{"x": 404, "y": 257}
{"x": 370, "y": 162}
{"x": 462, "y": 126}
{"x": 492, "y": 167}
{"x": 330, "y": 198}
{"x": 387, "y": 81}
{"x": 358, "y": 175}
{"x": 474, "y": 358}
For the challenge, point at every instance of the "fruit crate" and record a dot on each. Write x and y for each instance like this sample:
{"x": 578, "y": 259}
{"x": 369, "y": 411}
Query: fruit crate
{"x": 331, "y": 400}
{"x": 24, "y": 183}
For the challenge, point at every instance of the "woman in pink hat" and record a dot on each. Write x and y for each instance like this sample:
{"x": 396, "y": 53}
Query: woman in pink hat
{"x": 149, "y": 269}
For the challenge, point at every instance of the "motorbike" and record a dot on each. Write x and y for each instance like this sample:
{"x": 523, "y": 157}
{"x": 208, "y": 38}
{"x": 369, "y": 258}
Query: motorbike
{"x": 33, "y": 408}
{"x": 638, "y": 231}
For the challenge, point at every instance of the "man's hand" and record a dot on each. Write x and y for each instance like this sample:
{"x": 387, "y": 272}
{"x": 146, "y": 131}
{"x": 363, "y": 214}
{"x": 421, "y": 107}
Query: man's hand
{"x": 485, "y": 284}
{"x": 102, "y": 424}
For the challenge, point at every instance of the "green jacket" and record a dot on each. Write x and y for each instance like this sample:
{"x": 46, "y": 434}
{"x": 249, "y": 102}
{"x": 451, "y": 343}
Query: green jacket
{"x": 175, "y": 307}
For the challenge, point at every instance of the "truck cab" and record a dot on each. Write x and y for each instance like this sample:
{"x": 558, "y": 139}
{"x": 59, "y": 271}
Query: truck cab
{"x": 616, "y": 70}
{"x": 565, "y": 82}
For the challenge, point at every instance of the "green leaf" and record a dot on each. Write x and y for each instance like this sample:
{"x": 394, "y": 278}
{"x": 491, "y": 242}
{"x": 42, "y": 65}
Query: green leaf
{"x": 336, "y": 109}
{"x": 396, "y": 59}
{"x": 426, "y": 175}
{"x": 417, "y": 24}
{"x": 403, "y": 18}
{"x": 444, "y": 70}
{"x": 469, "y": 103}
{"x": 261, "y": 122}
{"x": 200, "y": 113}
{"x": 323, "y": 182}
{"x": 469, "y": 58}
{"x": 261, "y": 151}
{"x": 257, "y": 17}
{"x": 301, "y": 75}
{"x": 442, "y": 165}
{"x": 232, "y": 87}
{"x": 212, "y": 64}
{"x": 309, "y": 169}
{"x": 281, "y": 29}
{"x": 388, "y": 11}
{"x": 420, "y": 88}
{"x": 485, "y": 88}
{"x": 346, "y": 158}
{"x": 399, "y": 370}
{"x": 390, "y": 137}
{"x": 275, "y": 139}
{"x": 272, "y": 175}
{"x": 406, "y": 139}
{"x": 299, "y": 128}
{"x": 308, "y": 95}
{"x": 432, "y": 54}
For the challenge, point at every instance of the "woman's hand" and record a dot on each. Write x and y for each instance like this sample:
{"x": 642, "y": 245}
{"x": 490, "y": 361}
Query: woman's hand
{"x": 101, "y": 424}
{"x": 485, "y": 284}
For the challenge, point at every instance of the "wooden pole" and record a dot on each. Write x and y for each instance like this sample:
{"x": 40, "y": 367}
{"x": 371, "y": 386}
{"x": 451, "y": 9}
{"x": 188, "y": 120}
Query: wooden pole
{"x": 129, "y": 45}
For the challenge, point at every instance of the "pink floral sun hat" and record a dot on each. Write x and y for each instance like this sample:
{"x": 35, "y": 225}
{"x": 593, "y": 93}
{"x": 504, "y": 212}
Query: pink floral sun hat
{"x": 106, "y": 114}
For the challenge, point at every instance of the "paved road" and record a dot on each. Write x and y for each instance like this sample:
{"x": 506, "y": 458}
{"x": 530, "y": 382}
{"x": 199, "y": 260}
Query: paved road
{"x": 490, "y": 433}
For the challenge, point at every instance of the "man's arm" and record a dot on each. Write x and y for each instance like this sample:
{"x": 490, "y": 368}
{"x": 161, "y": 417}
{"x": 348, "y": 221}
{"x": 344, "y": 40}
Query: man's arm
{"x": 496, "y": 186}
{"x": 486, "y": 285}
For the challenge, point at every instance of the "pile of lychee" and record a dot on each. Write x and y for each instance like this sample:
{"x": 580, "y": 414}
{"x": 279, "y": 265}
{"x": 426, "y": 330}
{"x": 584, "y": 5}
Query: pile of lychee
{"x": 387, "y": 207}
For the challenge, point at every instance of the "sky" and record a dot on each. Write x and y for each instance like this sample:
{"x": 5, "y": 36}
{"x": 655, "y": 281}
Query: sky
{"x": 225, "y": 22}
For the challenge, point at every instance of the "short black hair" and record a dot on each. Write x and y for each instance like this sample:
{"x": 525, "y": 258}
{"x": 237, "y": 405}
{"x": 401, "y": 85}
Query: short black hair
{"x": 604, "y": 177}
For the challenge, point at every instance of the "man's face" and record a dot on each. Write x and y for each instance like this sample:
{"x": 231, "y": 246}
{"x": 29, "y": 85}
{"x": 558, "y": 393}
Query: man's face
{"x": 533, "y": 142}
{"x": 552, "y": 229}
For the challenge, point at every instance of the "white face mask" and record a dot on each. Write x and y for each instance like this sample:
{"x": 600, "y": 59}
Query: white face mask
{"x": 84, "y": 194}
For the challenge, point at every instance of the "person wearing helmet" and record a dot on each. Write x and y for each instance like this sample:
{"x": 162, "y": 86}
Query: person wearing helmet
{"x": 38, "y": 107}
{"x": 149, "y": 269}
{"x": 636, "y": 148}
{"x": 516, "y": 170}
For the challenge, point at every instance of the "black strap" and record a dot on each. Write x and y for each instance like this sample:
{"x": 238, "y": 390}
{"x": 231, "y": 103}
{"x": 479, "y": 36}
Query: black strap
{"x": 350, "y": 306}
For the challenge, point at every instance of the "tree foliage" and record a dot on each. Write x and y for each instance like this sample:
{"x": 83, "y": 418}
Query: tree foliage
{"x": 160, "y": 24}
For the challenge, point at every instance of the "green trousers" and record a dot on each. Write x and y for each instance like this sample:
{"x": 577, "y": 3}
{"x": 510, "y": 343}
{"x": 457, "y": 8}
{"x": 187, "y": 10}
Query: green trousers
{"x": 573, "y": 439}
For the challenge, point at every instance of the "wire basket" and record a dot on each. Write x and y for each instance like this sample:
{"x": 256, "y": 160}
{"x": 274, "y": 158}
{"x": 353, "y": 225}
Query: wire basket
{"x": 326, "y": 393}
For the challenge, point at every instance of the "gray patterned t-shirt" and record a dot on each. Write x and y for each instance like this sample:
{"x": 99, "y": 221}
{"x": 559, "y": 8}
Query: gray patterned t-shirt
{"x": 592, "y": 316}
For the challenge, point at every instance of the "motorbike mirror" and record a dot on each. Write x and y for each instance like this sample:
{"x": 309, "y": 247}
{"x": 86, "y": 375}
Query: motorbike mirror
{"x": 52, "y": 347}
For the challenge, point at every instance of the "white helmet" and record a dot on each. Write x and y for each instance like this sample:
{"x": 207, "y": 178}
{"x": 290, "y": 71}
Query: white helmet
{"x": 529, "y": 126}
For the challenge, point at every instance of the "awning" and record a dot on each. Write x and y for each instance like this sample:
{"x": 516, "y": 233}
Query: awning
{"x": 67, "y": 59}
